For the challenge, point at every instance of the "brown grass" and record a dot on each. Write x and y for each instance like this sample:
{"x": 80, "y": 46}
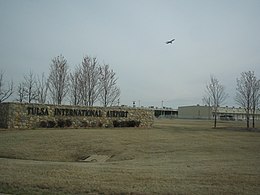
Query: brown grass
{"x": 174, "y": 157}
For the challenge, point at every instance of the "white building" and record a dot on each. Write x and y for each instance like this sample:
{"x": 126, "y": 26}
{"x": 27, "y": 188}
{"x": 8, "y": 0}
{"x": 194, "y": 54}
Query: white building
{"x": 205, "y": 112}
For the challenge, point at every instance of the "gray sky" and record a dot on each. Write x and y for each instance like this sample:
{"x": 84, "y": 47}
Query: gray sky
{"x": 212, "y": 37}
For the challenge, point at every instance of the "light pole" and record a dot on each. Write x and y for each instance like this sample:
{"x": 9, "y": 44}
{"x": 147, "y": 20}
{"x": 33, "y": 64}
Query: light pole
{"x": 134, "y": 104}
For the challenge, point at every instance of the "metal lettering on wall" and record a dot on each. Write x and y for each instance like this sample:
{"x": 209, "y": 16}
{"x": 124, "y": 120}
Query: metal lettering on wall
{"x": 37, "y": 111}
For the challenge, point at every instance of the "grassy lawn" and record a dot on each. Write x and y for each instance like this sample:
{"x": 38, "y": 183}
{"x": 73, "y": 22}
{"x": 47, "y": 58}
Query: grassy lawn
{"x": 174, "y": 157}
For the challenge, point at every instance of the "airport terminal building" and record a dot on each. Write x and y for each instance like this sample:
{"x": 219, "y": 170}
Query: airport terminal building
{"x": 205, "y": 112}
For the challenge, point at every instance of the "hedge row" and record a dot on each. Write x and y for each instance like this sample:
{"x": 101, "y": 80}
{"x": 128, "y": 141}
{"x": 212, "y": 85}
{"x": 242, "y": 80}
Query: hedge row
{"x": 52, "y": 124}
{"x": 68, "y": 123}
{"x": 126, "y": 123}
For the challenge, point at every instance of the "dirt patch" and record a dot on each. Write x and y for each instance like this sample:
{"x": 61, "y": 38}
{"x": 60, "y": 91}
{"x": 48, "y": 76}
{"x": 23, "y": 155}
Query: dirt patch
{"x": 96, "y": 158}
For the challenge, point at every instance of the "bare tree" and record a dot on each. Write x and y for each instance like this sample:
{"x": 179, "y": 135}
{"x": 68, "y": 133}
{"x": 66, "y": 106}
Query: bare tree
{"x": 75, "y": 87}
{"x": 255, "y": 98}
{"x": 42, "y": 86}
{"x": 109, "y": 92}
{"x": 247, "y": 96}
{"x": 89, "y": 78}
{"x": 30, "y": 87}
{"x": 58, "y": 79}
{"x": 216, "y": 93}
{"x": 5, "y": 92}
{"x": 244, "y": 93}
{"x": 21, "y": 92}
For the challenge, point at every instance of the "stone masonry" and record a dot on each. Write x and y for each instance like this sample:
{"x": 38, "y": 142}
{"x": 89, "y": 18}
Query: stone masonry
{"x": 28, "y": 116}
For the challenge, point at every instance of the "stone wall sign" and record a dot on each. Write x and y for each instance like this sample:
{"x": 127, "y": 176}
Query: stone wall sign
{"x": 25, "y": 115}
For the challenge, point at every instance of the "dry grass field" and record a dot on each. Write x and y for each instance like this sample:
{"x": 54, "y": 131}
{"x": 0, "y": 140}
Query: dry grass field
{"x": 173, "y": 157}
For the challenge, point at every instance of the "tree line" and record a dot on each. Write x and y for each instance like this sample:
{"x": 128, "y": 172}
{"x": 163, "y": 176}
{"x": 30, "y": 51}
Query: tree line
{"x": 91, "y": 82}
{"x": 86, "y": 85}
{"x": 247, "y": 95}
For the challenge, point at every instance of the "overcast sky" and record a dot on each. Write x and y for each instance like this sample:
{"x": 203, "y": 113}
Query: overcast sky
{"x": 212, "y": 37}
